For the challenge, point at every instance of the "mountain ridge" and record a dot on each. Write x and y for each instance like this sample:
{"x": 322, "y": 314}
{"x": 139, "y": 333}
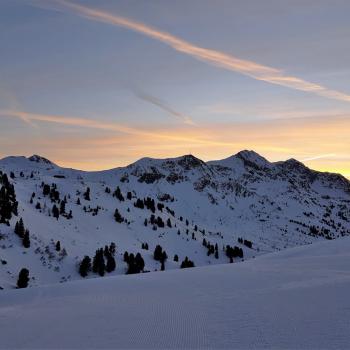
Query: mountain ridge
{"x": 243, "y": 198}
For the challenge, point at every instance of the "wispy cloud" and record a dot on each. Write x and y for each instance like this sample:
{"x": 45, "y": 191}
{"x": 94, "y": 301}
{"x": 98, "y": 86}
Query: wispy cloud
{"x": 214, "y": 57}
{"x": 304, "y": 139}
{"x": 108, "y": 126}
{"x": 321, "y": 156}
{"x": 163, "y": 105}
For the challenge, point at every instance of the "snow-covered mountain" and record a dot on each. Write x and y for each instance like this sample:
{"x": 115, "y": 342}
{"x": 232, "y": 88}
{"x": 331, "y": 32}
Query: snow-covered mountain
{"x": 243, "y": 201}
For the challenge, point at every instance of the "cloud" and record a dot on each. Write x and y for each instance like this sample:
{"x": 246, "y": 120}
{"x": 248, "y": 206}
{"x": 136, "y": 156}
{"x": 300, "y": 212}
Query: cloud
{"x": 321, "y": 156}
{"x": 305, "y": 139}
{"x": 217, "y": 58}
{"x": 107, "y": 126}
{"x": 162, "y": 105}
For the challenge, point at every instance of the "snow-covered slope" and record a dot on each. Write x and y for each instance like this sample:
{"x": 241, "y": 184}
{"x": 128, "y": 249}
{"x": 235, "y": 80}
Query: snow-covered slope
{"x": 273, "y": 205}
{"x": 295, "y": 299}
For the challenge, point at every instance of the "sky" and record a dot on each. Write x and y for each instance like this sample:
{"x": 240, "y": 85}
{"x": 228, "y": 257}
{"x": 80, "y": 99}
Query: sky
{"x": 99, "y": 84}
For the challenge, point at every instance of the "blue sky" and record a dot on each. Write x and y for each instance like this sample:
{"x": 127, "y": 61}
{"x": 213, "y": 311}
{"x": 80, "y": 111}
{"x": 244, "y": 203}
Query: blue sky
{"x": 56, "y": 62}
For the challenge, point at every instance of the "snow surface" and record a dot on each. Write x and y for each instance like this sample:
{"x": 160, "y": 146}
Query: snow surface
{"x": 298, "y": 298}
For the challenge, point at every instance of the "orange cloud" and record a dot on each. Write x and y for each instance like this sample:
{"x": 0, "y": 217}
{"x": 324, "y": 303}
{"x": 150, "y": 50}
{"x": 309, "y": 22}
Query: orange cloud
{"x": 217, "y": 58}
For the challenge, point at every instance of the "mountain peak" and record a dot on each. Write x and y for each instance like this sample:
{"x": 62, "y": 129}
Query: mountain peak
{"x": 39, "y": 159}
{"x": 252, "y": 158}
{"x": 189, "y": 161}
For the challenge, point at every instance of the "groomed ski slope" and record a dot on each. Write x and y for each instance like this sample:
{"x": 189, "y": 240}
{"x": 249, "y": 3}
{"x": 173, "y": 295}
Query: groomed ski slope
{"x": 298, "y": 298}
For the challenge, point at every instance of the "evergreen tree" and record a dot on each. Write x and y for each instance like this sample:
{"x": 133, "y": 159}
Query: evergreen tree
{"x": 112, "y": 248}
{"x": 186, "y": 263}
{"x": 19, "y": 228}
{"x": 176, "y": 258}
{"x": 85, "y": 266}
{"x": 58, "y": 246}
{"x": 87, "y": 194}
{"x": 111, "y": 265}
{"x": 140, "y": 263}
{"x": 117, "y": 216}
{"x": 98, "y": 265}
{"x": 8, "y": 203}
{"x": 55, "y": 212}
{"x": 26, "y": 239}
{"x": 62, "y": 207}
{"x": 164, "y": 256}
{"x": 118, "y": 194}
{"x": 158, "y": 253}
{"x": 46, "y": 190}
{"x": 23, "y": 278}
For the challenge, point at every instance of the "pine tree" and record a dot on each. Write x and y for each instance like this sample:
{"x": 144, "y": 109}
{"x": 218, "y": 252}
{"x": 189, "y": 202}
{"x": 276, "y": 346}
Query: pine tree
{"x": 98, "y": 265}
{"x": 112, "y": 248}
{"x": 8, "y": 203}
{"x": 46, "y": 190}
{"x": 164, "y": 256}
{"x": 85, "y": 266}
{"x": 186, "y": 263}
{"x": 23, "y": 278}
{"x": 58, "y": 246}
{"x": 158, "y": 253}
{"x": 176, "y": 258}
{"x": 140, "y": 263}
{"x": 26, "y": 239}
{"x": 55, "y": 212}
{"x": 117, "y": 193}
{"x": 62, "y": 207}
{"x": 117, "y": 216}
{"x": 87, "y": 194}
{"x": 19, "y": 228}
{"x": 111, "y": 265}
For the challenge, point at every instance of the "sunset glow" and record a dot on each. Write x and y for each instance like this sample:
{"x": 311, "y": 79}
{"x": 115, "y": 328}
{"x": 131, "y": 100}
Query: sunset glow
{"x": 119, "y": 94}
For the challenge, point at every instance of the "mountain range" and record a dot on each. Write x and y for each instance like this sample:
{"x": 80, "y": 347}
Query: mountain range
{"x": 200, "y": 210}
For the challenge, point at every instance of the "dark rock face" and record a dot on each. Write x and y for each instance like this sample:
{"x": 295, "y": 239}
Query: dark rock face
{"x": 39, "y": 159}
{"x": 189, "y": 162}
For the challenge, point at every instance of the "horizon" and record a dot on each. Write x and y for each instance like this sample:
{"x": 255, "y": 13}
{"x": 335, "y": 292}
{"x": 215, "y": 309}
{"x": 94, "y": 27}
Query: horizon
{"x": 97, "y": 85}
{"x": 165, "y": 158}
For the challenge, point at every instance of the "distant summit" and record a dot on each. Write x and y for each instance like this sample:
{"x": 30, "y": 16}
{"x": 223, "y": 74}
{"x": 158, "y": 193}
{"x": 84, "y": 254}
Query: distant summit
{"x": 40, "y": 159}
